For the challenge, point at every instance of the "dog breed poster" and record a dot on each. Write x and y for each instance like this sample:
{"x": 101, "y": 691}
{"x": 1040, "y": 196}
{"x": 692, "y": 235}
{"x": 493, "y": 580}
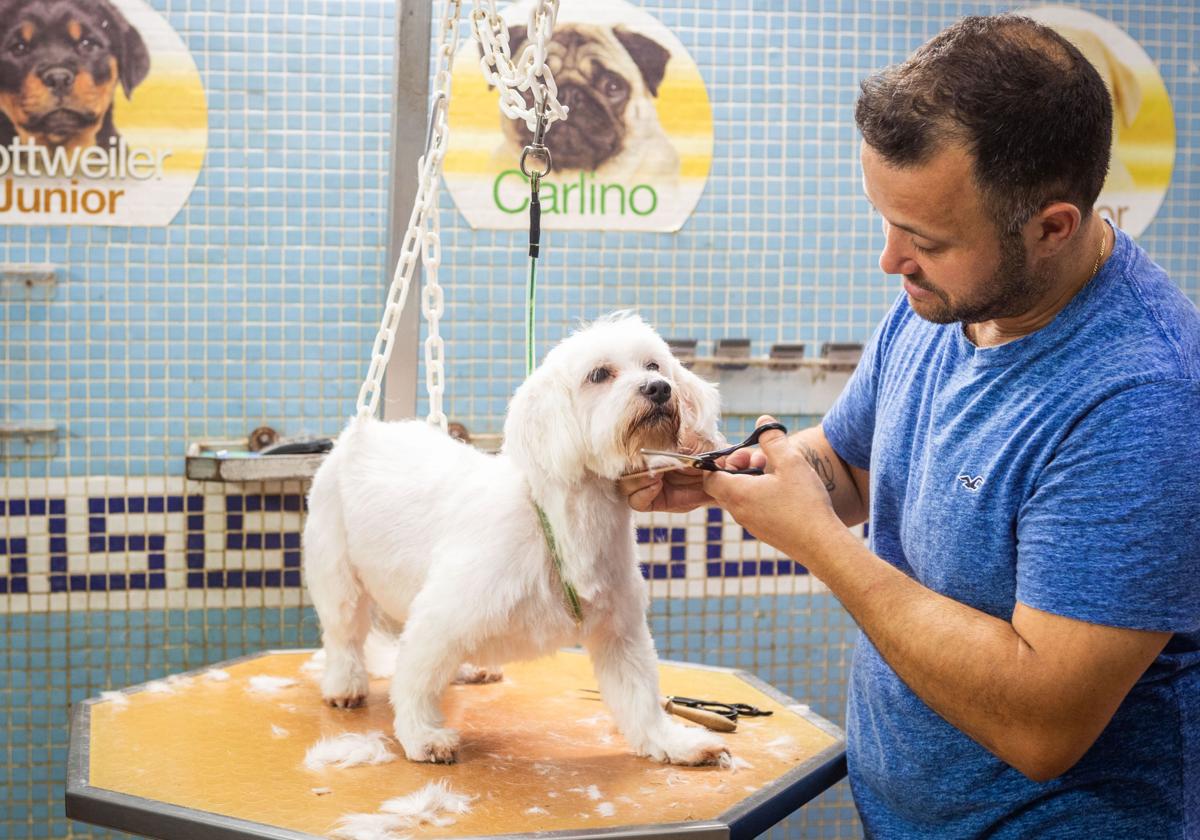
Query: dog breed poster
{"x": 635, "y": 150}
{"x": 103, "y": 119}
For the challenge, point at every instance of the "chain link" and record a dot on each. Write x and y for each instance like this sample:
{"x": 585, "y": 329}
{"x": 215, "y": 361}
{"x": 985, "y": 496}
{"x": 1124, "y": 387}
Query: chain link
{"x": 422, "y": 238}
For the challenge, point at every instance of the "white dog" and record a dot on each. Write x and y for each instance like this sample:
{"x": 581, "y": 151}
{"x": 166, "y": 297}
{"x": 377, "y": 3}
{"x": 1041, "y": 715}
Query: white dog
{"x": 450, "y": 541}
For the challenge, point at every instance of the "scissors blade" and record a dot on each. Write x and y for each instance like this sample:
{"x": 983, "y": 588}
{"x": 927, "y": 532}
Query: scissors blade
{"x": 684, "y": 461}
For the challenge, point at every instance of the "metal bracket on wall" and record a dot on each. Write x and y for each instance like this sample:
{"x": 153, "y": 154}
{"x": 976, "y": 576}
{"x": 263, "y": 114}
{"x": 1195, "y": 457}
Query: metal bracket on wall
{"x": 17, "y": 439}
{"x": 27, "y": 281}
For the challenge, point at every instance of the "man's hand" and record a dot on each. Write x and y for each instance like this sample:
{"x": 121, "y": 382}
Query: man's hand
{"x": 780, "y": 506}
{"x": 674, "y": 491}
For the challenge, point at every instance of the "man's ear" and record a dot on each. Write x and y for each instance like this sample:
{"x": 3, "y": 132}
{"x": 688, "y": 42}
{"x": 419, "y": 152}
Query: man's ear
{"x": 1052, "y": 227}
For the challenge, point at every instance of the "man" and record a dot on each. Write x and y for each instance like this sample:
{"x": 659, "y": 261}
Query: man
{"x": 1022, "y": 433}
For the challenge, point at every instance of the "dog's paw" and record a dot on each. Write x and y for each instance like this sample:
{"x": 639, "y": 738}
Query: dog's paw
{"x": 344, "y": 688}
{"x": 475, "y": 674}
{"x": 686, "y": 745}
{"x": 437, "y": 746}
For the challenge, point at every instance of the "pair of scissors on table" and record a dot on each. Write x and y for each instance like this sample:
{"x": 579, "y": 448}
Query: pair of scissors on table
{"x": 707, "y": 461}
{"x": 726, "y": 710}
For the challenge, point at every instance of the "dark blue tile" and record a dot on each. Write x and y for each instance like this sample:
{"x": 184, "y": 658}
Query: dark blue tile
{"x": 137, "y": 504}
{"x": 58, "y": 563}
{"x": 678, "y": 570}
{"x": 272, "y": 541}
{"x": 78, "y": 583}
{"x": 273, "y": 504}
{"x": 158, "y": 580}
{"x": 658, "y": 571}
{"x": 713, "y": 532}
{"x": 98, "y": 583}
{"x": 195, "y": 542}
{"x": 116, "y": 505}
{"x": 96, "y": 505}
{"x": 233, "y": 521}
{"x": 155, "y": 504}
{"x": 116, "y": 543}
{"x": 254, "y": 578}
{"x": 174, "y": 504}
{"x": 195, "y": 560}
{"x": 195, "y": 522}
{"x": 96, "y": 545}
{"x": 715, "y": 514}
{"x": 157, "y": 542}
{"x": 136, "y": 542}
{"x": 58, "y": 507}
{"x": 96, "y": 524}
{"x": 749, "y": 568}
{"x": 678, "y": 552}
{"x": 157, "y": 561}
{"x": 291, "y": 502}
{"x": 253, "y": 503}
{"x": 58, "y": 525}
{"x": 233, "y": 503}
{"x": 37, "y": 507}
{"x": 291, "y": 578}
{"x": 137, "y": 580}
{"x": 58, "y": 583}
{"x": 195, "y": 580}
{"x": 731, "y": 569}
{"x": 234, "y": 541}
{"x": 18, "y": 566}
{"x": 713, "y": 569}
{"x": 20, "y": 585}
{"x": 233, "y": 578}
{"x": 195, "y": 503}
{"x": 713, "y": 551}
{"x": 291, "y": 539}
{"x": 254, "y": 541}
{"x": 116, "y": 582}
{"x": 291, "y": 559}
{"x": 272, "y": 577}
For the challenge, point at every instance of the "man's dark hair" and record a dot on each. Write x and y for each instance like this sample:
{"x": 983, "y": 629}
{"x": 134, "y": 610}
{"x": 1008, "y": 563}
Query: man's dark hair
{"x": 1034, "y": 114}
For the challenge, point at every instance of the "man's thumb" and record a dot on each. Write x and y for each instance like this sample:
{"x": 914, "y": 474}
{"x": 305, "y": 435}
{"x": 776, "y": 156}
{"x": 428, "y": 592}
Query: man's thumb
{"x": 772, "y": 442}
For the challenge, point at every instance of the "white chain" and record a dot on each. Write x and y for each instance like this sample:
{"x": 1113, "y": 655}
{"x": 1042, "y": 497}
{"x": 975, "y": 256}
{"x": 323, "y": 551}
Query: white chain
{"x": 423, "y": 234}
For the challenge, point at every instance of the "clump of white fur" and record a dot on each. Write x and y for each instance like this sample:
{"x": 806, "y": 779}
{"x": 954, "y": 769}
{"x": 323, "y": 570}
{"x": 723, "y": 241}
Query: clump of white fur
{"x": 430, "y": 804}
{"x": 349, "y": 749}
{"x": 397, "y": 509}
{"x": 266, "y": 684}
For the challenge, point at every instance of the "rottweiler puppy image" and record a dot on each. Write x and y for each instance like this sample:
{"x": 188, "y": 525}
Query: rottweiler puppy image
{"x": 60, "y": 63}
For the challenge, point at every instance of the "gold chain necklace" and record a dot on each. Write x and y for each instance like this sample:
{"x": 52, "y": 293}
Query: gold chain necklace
{"x": 1100, "y": 256}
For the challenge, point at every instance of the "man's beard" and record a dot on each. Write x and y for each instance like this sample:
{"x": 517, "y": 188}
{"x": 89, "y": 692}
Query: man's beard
{"x": 1011, "y": 290}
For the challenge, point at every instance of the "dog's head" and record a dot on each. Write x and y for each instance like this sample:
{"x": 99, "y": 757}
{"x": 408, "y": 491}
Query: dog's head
{"x": 607, "y": 76}
{"x": 60, "y": 62}
{"x": 600, "y": 396}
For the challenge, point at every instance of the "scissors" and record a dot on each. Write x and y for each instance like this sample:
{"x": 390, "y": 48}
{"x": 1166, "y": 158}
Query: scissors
{"x": 727, "y": 710}
{"x": 707, "y": 461}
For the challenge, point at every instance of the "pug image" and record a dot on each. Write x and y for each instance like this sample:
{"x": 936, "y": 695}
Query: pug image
{"x": 60, "y": 64}
{"x": 608, "y": 76}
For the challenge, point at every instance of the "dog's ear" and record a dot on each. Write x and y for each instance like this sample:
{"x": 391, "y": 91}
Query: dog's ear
{"x": 516, "y": 37}
{"x": 541, "y": 433}
{"x": 133, "y": 59}
{"x": 699, "y": 411}
{"x": 650, "y": 56}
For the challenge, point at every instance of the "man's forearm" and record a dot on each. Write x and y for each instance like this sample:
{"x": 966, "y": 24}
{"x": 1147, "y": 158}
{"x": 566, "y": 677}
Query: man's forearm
{"x": 846, "y": 492}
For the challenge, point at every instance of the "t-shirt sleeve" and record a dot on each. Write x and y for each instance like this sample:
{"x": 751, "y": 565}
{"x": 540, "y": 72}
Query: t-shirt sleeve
{"x": 1111, "y": 532}
{"x": 849, "y": 425}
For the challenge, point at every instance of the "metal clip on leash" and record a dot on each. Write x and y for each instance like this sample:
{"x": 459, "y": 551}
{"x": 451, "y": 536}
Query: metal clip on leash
{"x": 535, "y": 165}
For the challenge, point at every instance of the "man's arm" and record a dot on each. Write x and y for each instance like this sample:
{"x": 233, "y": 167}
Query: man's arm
{"x": 1036, "y": 691}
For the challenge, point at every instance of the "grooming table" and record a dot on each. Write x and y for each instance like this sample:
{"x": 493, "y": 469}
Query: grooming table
{"x": 215, "y": 759}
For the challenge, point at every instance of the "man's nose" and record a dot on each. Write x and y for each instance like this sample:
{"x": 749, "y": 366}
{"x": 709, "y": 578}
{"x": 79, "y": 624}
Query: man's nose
{"x": 657, "y": 391}
{"x": 896, "y": 258}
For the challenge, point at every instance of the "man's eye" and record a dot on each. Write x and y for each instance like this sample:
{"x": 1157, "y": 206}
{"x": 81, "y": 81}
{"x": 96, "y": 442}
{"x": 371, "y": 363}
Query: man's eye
{"x": 923, "y": 250}
{"x": 652, "y": 366}
{"x": 599, "y": 375}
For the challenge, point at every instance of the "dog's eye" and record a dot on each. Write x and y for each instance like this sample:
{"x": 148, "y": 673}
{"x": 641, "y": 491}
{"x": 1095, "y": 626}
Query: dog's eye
{"x": 18, "y": 48}
{"x": 599, "y": 375}
{"x": 652, "y": 366}
{"x": 88, "y": 45}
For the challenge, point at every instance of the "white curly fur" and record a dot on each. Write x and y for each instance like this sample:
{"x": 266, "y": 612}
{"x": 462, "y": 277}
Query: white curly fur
{"x": 422, "y": 529}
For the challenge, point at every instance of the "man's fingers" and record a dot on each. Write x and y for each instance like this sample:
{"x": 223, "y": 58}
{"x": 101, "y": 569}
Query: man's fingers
{"x": 640, "y": 492}
{"x": 772, "y": 444}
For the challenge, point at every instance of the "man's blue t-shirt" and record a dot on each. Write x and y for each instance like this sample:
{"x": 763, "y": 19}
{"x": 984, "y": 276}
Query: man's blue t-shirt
{"x": 1060, "y": 470}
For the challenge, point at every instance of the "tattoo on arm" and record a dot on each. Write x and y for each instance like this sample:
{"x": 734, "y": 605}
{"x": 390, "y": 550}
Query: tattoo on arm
{"x": 821, "y": 466}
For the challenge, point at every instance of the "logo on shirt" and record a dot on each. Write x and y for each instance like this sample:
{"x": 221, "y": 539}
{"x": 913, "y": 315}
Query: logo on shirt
{"x": 972, "y": 483}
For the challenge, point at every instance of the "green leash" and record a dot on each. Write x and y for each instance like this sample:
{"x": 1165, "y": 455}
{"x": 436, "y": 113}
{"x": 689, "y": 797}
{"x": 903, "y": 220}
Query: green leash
{"x": 535, "y": 233}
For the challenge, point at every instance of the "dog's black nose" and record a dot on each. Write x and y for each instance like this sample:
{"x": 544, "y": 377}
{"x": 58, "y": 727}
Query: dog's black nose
{"x": 658, "y": 391}
{"x": 58, "y": 79}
